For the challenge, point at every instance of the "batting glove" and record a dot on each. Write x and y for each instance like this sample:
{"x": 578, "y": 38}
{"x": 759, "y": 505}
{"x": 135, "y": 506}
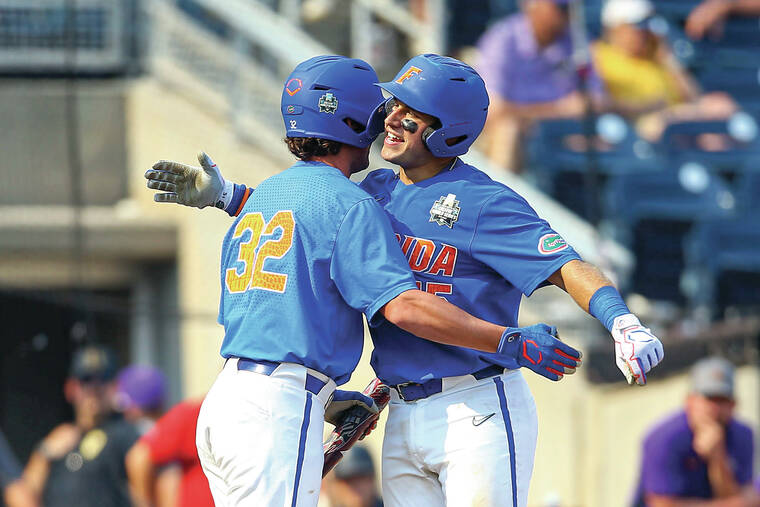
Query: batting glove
{"x": 637, "y": 350}
{"x": 345, "y": 400}
{"x": 539, "y": 348}
{"x": 192, "y": 186}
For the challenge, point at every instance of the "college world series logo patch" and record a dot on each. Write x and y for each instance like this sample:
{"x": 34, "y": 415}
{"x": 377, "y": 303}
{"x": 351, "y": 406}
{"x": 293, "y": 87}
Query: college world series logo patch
{"x": 551, "y": 243}
{"x": 445, "y": 211}
{"x": 328, "y": 103}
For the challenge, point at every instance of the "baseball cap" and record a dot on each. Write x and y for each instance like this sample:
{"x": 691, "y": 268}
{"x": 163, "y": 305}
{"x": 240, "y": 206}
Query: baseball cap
{"x": 626, "y": 12}
{"x": 93, "y": 363}
{"x": 713, "y": 376}
{"x": 140, "y": 386}
{"x": 357, "y": 462}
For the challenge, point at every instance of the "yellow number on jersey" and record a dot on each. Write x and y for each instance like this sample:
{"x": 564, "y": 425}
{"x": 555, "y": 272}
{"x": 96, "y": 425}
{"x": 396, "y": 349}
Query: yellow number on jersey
{"x": 253, "y": 275}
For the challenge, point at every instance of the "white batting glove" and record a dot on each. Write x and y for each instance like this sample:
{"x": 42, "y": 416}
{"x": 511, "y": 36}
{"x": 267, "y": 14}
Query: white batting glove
{"x": 192, "y": 186}
{"x": 637, "y": 350}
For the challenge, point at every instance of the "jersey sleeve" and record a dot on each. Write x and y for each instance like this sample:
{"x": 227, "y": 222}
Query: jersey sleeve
{"x": 367, "y": 265}
{"x": 165, "y": 438}
{"x": 510, "y": 238}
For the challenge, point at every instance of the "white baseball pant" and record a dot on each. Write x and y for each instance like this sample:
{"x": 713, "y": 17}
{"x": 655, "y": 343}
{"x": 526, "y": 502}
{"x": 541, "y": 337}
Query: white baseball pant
{"x": 259, "y": 437}
{"x": 471, "y": 444}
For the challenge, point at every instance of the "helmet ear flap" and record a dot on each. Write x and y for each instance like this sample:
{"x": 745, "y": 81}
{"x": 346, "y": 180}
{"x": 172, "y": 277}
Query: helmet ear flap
{"x": 427, "y": 133}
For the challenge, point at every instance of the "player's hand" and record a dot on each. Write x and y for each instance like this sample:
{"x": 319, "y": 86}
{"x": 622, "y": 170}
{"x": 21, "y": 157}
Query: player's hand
{"x": 189, "y": 185}
{"x": 345, "y": 400}
{"x": 369, "y": 430}
{"x": 539, "y": 348}
{"x": 637, "y": 350}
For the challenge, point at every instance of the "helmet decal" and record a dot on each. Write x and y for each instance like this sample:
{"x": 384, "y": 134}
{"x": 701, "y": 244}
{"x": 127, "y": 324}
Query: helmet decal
{"x": 411, "y": 71}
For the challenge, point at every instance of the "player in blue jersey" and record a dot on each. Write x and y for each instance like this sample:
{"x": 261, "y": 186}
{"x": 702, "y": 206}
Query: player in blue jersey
{"x": 461, "y": 428}
{"x": 308, "y": 254}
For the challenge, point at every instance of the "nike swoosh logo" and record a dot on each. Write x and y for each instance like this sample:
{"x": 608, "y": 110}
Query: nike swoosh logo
{"x": 478, "y": 420}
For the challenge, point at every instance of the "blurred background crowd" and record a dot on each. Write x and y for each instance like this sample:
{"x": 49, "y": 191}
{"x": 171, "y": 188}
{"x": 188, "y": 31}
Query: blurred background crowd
{"x": 631, "y": 125}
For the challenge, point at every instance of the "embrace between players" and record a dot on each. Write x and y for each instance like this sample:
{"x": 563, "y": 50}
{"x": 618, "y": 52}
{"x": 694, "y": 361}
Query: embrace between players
{"x": 310, "y": 252}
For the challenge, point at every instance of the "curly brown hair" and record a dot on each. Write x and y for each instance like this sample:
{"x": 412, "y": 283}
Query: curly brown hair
{"x": 305, "y": 148}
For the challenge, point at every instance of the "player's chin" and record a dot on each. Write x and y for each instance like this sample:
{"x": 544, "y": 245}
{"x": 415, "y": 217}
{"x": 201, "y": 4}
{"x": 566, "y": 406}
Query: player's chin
{"x": 391, "y": 153}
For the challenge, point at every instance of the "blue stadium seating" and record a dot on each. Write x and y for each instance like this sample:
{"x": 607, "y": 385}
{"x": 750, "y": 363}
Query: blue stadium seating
{"x": 686, "y": 141}
{"x": 723, "y": 260}
{"x": 652, "y": 213}
{"x": 561, "y": 171}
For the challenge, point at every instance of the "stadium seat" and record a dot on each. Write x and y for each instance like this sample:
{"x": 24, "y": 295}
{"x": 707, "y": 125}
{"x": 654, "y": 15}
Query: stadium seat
{"x": 723, "y": 265}
{"x": 561, "y": 169}
{"x": 737, "y": 135}
{"x": 652, "y": 213}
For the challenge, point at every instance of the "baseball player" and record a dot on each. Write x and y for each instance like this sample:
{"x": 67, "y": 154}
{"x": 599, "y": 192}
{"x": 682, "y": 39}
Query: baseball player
{"x": 308, "y": 254}
{"x": 462, "y": 424}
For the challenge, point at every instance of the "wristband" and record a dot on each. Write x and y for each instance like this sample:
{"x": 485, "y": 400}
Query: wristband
{"x": 606, "y": 305}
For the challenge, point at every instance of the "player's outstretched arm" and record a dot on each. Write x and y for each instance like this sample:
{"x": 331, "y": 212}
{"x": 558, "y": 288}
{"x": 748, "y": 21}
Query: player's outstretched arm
{"x": 433, "y": 318}
{"x": 637, "y": 350}
{"x": 197, "y": 187}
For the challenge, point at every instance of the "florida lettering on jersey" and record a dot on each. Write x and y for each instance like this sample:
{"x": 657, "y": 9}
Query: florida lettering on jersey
{"x": 427, "y": 257}
{"x": 474, "y": 242}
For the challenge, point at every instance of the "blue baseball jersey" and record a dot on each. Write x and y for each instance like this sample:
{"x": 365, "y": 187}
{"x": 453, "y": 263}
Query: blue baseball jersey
{"x": 470, "y": 240}
{"x": 308, "y": 254}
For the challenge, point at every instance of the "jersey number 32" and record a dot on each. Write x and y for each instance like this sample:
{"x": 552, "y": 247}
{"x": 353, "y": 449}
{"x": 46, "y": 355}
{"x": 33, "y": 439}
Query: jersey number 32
{"x": 253, "y": 275}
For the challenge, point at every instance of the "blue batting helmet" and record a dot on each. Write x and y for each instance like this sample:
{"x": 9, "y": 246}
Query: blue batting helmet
{"x": 445, "y": 88}
{"x": 323, "y": 93}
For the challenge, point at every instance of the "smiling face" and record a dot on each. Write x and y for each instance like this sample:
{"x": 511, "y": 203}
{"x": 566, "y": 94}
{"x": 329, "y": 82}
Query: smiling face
{"x": 404, "y": 147}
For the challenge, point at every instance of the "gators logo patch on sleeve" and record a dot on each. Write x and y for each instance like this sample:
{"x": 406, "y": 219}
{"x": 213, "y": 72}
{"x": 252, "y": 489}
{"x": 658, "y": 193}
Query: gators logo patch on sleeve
{"x": 551, "y": 243}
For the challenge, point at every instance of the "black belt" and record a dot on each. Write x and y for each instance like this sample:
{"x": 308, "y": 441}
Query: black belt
{"x": 412, "y": 391}
{"x": 313, "y": 384}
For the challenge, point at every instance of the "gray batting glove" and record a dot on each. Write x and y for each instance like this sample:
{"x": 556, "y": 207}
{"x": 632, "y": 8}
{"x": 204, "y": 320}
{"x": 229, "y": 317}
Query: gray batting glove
{"x": 343, "y": 401}
{"x": 192, "y": 186}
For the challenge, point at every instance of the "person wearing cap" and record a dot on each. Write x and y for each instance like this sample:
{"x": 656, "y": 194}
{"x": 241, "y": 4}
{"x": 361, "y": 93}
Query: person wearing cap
{"x": 701, "y": 452}
{"x": 82, "y": 462}
{"x": 352, "y": 483}
{"x": 526, "y": 62}
{"x": 140, "y": 395}
{"x": 644, "y": 80}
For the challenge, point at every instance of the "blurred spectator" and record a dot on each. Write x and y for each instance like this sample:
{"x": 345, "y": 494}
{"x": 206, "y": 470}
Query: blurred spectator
{"x": 140, "y": 395}
{"x": 701, "y": 452}
{"x": 171, "y": 440}
{"x": 708, "y": 17}
{"x": 82, "y": 463}
{"x": 526, "y": 62}
{"x": 15, "y": 492}
{"x": 352, "y": 483}
{"x": 643, "y": 78}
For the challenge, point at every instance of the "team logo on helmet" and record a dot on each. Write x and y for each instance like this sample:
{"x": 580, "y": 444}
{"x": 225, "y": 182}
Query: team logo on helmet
{"x": 293, "y": 86}
{"x": 328, "y": 103}
{"x": 411, "y": 71}
{"x": 445, "y": 211}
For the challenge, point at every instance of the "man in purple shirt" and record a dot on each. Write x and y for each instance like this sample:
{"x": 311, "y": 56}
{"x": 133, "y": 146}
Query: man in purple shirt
{"x": 701, "y": 452}
{"x": 526, "y": 61}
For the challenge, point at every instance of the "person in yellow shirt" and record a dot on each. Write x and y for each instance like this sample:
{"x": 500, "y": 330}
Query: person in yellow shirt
{"x": 642, "y": 77}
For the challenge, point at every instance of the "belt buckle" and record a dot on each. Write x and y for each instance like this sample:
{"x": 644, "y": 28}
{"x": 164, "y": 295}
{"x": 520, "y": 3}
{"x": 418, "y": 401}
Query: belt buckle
{"x": 398, "y": 387}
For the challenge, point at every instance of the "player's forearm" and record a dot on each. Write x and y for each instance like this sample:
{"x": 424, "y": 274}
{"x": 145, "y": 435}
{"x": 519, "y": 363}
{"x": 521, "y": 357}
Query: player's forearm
{"x": 435, "y": 319}
{"x": 141, "y": 474}
{"x": 581, "y": 280}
